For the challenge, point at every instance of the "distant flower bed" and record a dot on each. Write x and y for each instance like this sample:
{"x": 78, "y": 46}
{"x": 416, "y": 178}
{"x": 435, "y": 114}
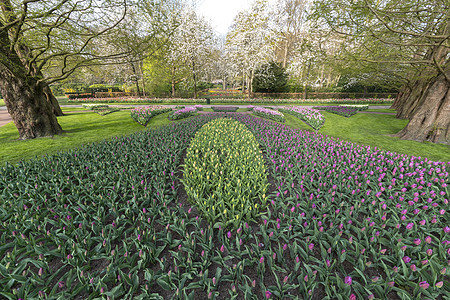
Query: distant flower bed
{"x": 357, "y": 107}
{"x": 224, "y": 108}
{"x": 142, "y": 115}
{"x": 269, "y": 114}
{"x": 214, "y": 100}
{"x": 137, "y": 100}
{"x": 312, "y": 117}
{"x": 182, "y": 113}
{"x": 94, "y": 106}
{"x": 198, "y": 107}
{"x": 339, "y": 110}
{"x": 373, "y": 101}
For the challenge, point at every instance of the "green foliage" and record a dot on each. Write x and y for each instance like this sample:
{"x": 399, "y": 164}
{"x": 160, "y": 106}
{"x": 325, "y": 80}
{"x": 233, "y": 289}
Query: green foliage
{"x": 80, "y": 128}
{"x": 143, "y": 115}
{"x": 224, "y": 173}
{"x": 270, "y": 78}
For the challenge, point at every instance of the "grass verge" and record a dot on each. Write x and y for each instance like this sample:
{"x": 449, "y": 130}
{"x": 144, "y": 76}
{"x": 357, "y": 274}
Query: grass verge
{"x": 87, "y": 127}
{"x": 375, "y": 130}
{"x": 80, "y": 128}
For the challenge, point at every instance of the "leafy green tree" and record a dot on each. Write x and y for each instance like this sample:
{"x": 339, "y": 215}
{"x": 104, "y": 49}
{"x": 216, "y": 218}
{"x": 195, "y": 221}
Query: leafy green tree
{"x": 270, "y": 78}
{"x": 46, "y": 41}
{"x": 408, "y": 39}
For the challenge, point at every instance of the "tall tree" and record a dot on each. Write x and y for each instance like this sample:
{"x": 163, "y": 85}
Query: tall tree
{"x": 192, "y": 45}
{"x": 55, "y": 38}
{"x": 250, "y": 41}
{"x": 411, "y": 37}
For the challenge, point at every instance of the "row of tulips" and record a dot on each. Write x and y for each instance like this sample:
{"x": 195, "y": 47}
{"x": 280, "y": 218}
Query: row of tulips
{"x": 312, "y": 117}
{"x": 224, "y": 174}
{"x": 360, "y": 101}
{"x": 339, "y": 110}
{"x": 360, "y": 107}
{"x": 97, "y": 221}
{"x": 269, "y": 114}
{"x": 182, "y": 113}
{"x": 356, "y": 222}
{"x": 142, "y": 115}
{"x": 109, "y": 220}
{"x": 224, "y": 108}
{"x": 93, "y": 106}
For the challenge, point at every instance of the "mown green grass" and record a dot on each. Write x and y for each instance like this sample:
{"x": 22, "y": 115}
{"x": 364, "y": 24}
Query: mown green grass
{"x": 2, "y": 102}
{"x": 87, "y": 127}
{"x": 374, "y": 130}
{"x": 387, "y": 110}
{"x": 80, "y": 128}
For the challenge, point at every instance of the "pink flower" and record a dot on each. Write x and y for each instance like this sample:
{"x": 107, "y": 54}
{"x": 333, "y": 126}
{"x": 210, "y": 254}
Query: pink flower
{"x": 352, "y": 297}
{"x": 391, "y": 283}
{"x": 406, "y": 259}
{"x": 439, "y": 284}
{"x": 409, "y": 226}
{"x": 424, "y": 284}
{"x": 413, "y": 267}
{"x": 261, "y": 260}
{"x": 348, "y": 280}
{"x": 268, "y": 294}
{"x": 428, "y": 239}
{"x": 417, "y": 242}
{"x": 311, "y": 246}
{"x": 222, "y": 248}
{"x": 429, "y": 252}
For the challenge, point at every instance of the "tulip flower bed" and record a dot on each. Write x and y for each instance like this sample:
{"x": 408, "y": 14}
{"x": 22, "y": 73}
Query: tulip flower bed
{"x": 224, "y": 108}
{"x": 312, "y": 117}
{"x": 182, "y": 113}
{"x": 142, "y": 115}
{"x": 343, "y": 221}
{"x": 365, "y": 101}
{"x": 224, "y": 174}
{"x": 339, "y": 110}
{"x": 357, "y": 107}
{"x": 198, "y": 107}
{"x": 95, "y": 106}
{"x": 269, "y": 114}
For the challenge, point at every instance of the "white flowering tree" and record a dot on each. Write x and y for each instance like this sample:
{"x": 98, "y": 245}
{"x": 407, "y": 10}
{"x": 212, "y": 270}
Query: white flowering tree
{"x": 250, "y": 42}
{"x": 191, "y": 48}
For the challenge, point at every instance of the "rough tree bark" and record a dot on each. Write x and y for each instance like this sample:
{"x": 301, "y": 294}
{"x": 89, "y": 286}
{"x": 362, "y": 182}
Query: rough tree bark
{"x": 426, "y": 103}
{"x": 24, "y": 97}
{"x": 28, "y": 106}
{"x": 53, "y": 102}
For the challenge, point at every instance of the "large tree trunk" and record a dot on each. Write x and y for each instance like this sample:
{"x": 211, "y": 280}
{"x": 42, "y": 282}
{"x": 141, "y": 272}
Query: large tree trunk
{"x": 426, "y": 103}
{"x": 53, "y": 102}
{"x": 28, "y": 106}
{"x": 24, "y": 98}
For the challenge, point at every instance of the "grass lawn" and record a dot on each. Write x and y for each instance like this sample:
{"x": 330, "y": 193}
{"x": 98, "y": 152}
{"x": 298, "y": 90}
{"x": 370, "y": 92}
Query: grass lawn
{"x": 388, "y": 110}
{"x": 88, "y": 127}
{"x": 81, "y": 128}
{"x": 374, "y": 130}
{"x": 2, "y": 102}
